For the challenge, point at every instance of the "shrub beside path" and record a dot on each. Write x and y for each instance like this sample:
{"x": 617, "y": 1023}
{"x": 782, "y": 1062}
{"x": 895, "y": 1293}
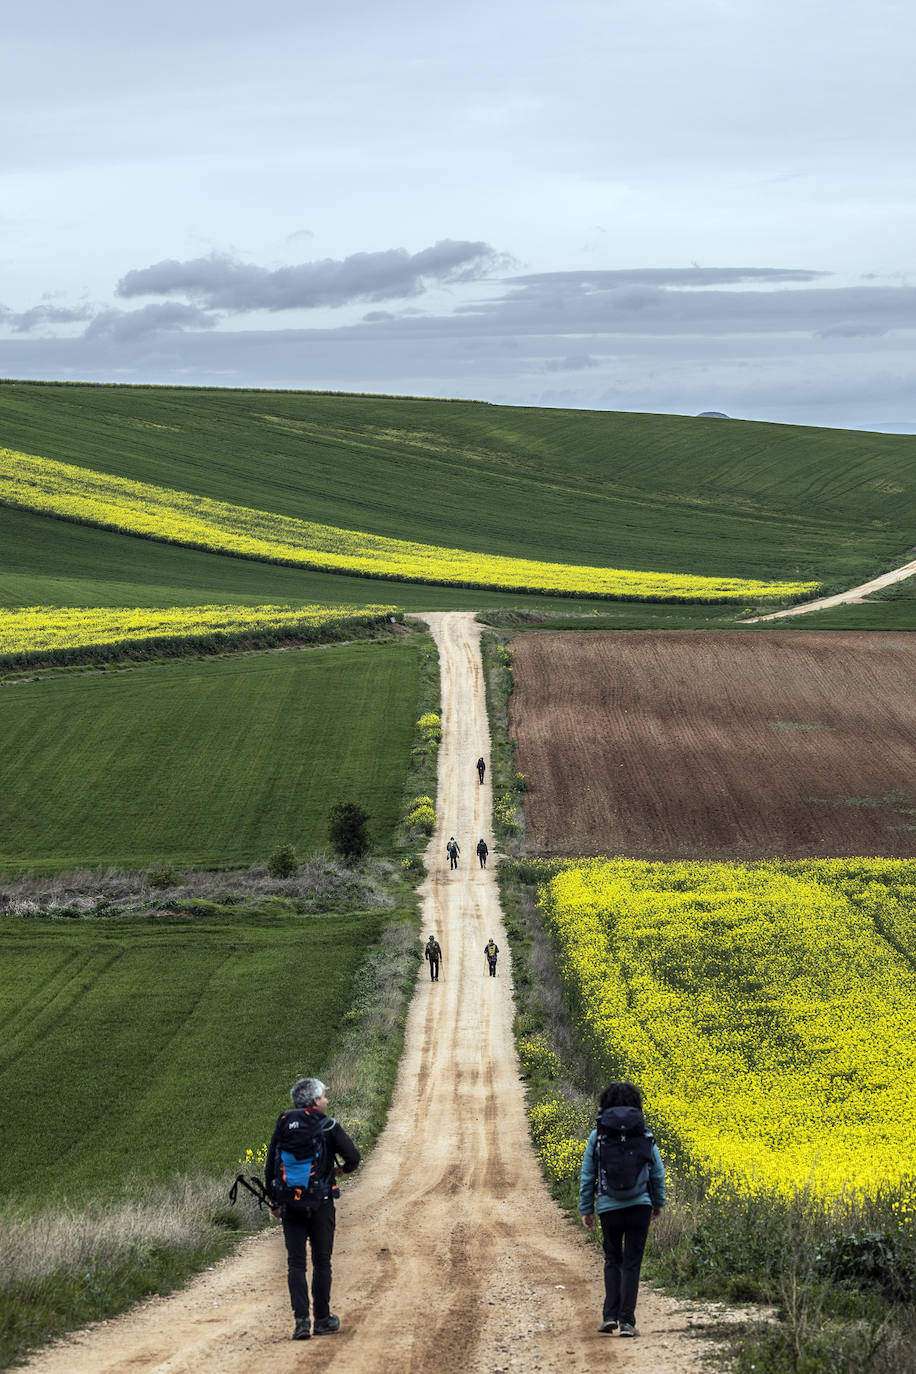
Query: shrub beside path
{"x": 451, "y": 1256}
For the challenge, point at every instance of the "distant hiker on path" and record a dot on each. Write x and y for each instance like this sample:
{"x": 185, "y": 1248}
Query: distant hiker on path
{"x": 452, "y": 850}
{"x": 482, "y": 852}
{"x": 481, "y": 769}
{"x": 623, "y": 1170}
{"x": 491, "y": 950}
{"x": 300, "y": 1175}
{"x": 433, "y": 953}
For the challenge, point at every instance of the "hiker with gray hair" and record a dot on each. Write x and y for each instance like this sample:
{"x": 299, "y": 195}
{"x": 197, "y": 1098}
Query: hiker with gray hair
{"x": 301, "y": 1177}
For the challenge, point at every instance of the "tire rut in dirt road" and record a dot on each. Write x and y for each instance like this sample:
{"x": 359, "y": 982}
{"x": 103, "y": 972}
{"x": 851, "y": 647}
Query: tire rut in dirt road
{"x": 450, "y": 1255}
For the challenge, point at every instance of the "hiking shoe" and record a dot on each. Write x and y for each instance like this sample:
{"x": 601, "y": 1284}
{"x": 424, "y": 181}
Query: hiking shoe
{"x": 626, "y": 1329}
{"x": 608, "y": 1326}
{"x": 325, "y": 1325}
{"x": 303, "y": 1330}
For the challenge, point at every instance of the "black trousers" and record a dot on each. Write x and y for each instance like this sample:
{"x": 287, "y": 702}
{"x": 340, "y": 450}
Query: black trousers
{"x": 492, "y": 963}
{"x": 623, "y": 1233}
{"x": 301, "y": 1229}
{"x": 453, "y": 860}
{"x": 434, "y": 970}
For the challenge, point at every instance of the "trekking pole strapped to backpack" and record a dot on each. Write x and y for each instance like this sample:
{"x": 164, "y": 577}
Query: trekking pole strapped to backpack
{"x": 255, "y": 1186}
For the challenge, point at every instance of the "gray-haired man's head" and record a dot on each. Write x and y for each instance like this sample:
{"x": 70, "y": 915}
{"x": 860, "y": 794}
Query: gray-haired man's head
{"x": 305, "y": 1091}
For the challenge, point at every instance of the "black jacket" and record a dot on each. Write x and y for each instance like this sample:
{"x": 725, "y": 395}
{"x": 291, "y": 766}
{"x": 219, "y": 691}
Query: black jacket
{"x": 341, "y": 1146}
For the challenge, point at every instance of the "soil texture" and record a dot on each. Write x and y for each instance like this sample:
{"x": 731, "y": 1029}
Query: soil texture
{"x": 683, "y": 745}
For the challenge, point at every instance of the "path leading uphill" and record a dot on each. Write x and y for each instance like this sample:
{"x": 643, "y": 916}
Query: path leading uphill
{"x": 450, "y": 1254}
{"x": 851, "y": 598}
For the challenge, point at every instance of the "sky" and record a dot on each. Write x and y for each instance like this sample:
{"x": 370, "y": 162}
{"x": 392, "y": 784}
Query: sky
{"x": 641, "y": 205}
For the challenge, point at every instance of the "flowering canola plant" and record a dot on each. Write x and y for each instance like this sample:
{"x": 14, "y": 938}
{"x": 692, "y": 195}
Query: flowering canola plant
{"x": 179, "y": 517}
{"x": 33, "y": 630}
{"x": 766, "y": 1010}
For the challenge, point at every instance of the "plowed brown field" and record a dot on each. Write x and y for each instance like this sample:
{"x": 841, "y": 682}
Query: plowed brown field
{"x": 694, "y": 745}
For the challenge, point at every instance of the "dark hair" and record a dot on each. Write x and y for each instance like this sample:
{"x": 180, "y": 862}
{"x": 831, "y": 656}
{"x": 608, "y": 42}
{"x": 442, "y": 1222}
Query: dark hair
{"x": 620, "y": 1095}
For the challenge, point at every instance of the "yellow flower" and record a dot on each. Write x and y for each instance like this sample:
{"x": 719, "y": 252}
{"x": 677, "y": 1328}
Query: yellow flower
{"x": 179, "y": 517}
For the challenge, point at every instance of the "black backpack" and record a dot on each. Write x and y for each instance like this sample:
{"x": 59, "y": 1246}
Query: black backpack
{"x": 623, "y": 1147}
{"x": 304, "y": 1176}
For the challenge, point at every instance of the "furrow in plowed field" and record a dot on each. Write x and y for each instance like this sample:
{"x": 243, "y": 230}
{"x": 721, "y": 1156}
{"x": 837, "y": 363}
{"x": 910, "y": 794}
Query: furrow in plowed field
{"x": 696, "y": 745}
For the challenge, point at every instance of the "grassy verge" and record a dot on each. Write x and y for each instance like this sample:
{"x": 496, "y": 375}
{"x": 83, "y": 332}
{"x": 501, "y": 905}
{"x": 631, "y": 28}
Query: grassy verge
{"x": 129, "y": 1231}
{"x": 418, "y": 803}
{"x": 508, "y": 784}
{"x": 622, "y": 616}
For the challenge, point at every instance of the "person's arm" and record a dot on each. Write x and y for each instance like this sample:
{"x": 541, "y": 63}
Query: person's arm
{"x": 344, "y": 1148}
{"x": 588, "y": 1178}
{"x": 657, "y": 1182}
{"x": 270, "y": 1168}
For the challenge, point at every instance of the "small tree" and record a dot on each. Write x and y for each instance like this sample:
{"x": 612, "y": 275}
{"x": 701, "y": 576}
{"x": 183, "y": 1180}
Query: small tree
{"x": 283, "y": 862}
{"x": 347, "y": 830}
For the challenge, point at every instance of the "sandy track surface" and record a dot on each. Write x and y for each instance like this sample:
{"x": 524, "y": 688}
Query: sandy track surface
{"x": 450, "y": 1254}
{"x": 850, "y": 598}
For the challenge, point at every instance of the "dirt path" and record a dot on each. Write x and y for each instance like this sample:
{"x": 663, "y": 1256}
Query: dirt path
{"x": 450, "y": 1254}
{"x": 850, "y": 598}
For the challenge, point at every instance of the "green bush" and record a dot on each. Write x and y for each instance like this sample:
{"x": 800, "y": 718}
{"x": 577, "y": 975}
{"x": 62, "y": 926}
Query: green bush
{"x": 161, "y": 878}
{"x": 347, "y": 830}
{"x": 283, "y": 862}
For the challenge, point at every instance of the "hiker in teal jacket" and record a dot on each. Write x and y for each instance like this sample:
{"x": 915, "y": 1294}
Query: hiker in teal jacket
{"x": 624, "y": 1220}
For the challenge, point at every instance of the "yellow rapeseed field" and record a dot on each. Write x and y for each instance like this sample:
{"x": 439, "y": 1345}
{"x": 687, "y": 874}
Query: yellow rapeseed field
{"x": 766, "y": 1010}
{"x": 36, "y": 629}
{"x": 82, "y": 494}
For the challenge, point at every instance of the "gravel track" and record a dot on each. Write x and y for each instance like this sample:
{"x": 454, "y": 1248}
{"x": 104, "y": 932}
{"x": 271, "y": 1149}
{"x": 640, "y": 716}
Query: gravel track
{"x": 450, "y": 1254}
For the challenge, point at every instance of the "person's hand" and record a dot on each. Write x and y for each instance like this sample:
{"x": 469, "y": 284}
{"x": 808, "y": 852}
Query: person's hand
{"x": 656, "y": 1212}
{"x": 276, "y": 1213}
{"x": 338, "y": 1170}
{"x": 588, "y": 1220}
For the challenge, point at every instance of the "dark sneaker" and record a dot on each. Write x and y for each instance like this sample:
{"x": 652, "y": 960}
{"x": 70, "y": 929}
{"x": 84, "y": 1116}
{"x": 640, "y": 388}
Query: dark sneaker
{"x": 302, "y": 1331}
{"x": 325, "y": 1325}
{"x": 626, "y": 1329}
{"x": 608, "y": 1326}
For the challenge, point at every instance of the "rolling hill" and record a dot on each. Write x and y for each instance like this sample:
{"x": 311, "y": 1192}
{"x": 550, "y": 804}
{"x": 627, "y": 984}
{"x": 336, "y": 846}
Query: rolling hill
{"x": 646, "y": 492}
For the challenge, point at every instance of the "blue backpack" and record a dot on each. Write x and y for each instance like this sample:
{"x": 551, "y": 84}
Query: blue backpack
{"x": 304, "y": 1177}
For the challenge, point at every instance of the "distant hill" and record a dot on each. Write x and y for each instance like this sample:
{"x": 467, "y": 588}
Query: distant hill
{"x": 654, "y": 492}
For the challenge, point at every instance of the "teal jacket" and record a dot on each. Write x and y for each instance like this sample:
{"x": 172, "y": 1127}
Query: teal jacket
{"x": 654, "y": 1196}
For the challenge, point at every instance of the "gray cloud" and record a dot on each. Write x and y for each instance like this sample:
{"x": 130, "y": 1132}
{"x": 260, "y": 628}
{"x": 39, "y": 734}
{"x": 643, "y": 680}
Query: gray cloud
{"x": 766, "y": 343}
{"x": 24, "y": 322}
{"x": 224, "y": 283}
{"x": 601, "y": 279}
{"x": 131, "y": 326}
{"x": 575, "y": 362}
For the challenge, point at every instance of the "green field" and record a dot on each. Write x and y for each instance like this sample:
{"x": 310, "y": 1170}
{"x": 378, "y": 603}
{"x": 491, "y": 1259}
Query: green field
{"x": 161, "y": 1047}
{"x": 652, "y": 492}
{"x": 48, "y": 562}
{"x": 204, "y": 762}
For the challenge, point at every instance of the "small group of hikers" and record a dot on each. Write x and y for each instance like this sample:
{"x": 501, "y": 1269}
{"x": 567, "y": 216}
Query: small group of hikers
{"x": 433, "y": 952}
{"x": 453, "y": 850}
{"x": 622, "y": 1179}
